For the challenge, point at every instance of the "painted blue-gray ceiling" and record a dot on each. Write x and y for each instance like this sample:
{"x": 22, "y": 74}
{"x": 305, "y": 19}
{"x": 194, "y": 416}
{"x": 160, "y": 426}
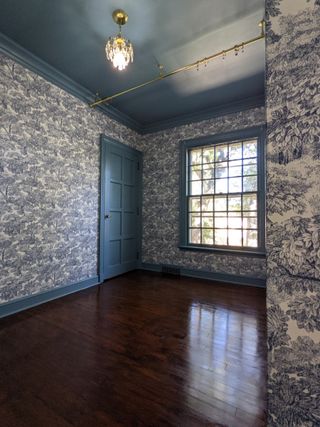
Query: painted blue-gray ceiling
{"x": 70, "y": 36}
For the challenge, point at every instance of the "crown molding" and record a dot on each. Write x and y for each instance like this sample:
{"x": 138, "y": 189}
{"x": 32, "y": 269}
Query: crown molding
{"x": 50, "y": 73}
{"x": 209, "y": 113}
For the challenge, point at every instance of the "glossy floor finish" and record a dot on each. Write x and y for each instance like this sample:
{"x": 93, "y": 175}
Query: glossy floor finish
{"x": 140, "y": 350}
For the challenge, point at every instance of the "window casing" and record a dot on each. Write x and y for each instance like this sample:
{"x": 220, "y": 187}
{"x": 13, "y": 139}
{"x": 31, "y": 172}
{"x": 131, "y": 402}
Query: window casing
{"x": 223, "y": 192}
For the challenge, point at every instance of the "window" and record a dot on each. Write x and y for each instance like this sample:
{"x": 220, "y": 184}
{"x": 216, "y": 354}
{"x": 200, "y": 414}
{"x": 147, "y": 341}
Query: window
{"x": 222, "y": 192}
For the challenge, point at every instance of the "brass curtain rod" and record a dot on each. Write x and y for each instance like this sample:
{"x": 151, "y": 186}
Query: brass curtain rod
{"x": 195, "y": 64}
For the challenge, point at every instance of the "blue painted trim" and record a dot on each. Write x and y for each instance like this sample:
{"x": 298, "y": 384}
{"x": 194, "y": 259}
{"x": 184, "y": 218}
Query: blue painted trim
{"x": 42, "y": 68}
{"x": 210, "y": 275}
{"x": 209, "y": 113}
{"x": 256, "y": 131}
{"x": 47, "y": 71}
{"x": 104, "y": 140}
{"x": 25, "y": 303}
{"x": 225, "y": 251}
{"x": 141, "y": 192}
{"x": 102, "y": 205}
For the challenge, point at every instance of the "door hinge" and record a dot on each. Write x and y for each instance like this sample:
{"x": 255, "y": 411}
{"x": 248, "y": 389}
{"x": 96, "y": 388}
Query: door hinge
{"x": 138, "y": 166}
{"x": 138, "y": 254}
{"x": 138, "y": 211}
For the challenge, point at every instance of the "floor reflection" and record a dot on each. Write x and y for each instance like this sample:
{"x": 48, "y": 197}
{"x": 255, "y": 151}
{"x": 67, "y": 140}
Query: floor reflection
{"x": 224, "y": 360}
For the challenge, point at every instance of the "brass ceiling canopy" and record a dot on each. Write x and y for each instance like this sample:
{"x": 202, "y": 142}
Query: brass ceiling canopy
{"x": 119, "y": 50}
{"x": 120, "y": 17}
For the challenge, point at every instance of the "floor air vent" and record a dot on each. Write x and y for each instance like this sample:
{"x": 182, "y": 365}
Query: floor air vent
{"x": 172, "y": 271}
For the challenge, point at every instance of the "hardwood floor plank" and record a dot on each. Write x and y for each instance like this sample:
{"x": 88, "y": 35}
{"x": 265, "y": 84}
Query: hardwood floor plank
{"x": 140, "y": 350}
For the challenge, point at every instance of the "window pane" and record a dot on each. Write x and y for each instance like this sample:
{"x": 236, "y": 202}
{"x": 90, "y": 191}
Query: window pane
{"x": 221, "y": 153}
{"x": 195, "y": 157}
{"x": 250, "y": 238}
{"x": 249, "y": 202}
{"x": 250, "y": 161}
{"x": 220, "y": 203}
{"x": 250, "y": 213}
{"x": 207, "y": 221}
{"x": 250, "y": 149}
{"x": 220, "y": 237}
{"x": 195, "y": 187}
{"x": 208, "y": 187}
{"x": 234, "y": 203}
{"x": 221, "y": 221}
{"x": 235, "y": 151}
{"x": 250, "y": 169}
{"x": 234, "y": 221}
{"x": 221, "y": 186}
{"x": 195, "y": 172}
{"x": 237, "y": 214}
{"x": 237, "y": 163}
{"x": 235, "y": 237}
{"x": 208, "y": 155}
{"x": 194, "y": 220}
{"x": 207, "y": 204}
{"x": 235, "y": 185}
{"x": 195, "y": 236}
{"x": 222, "y": 170}
{"x": 208, "y": 173}
{"x": 194, "y": 204}
{"x": 223, "y": 194}
{"x": 235, "y": 171}
{"x": 250, "y": 222}
{"x": 207, "y": 237}
{"x": 250, "y": 183}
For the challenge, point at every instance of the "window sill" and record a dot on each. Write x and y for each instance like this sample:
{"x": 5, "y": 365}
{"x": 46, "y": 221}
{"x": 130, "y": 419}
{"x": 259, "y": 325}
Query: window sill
{"x": 226, "y": 251}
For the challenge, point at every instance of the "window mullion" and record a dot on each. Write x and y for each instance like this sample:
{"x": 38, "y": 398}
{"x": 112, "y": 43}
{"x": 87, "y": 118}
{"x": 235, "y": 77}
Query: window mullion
{"x": 226, "y": 173}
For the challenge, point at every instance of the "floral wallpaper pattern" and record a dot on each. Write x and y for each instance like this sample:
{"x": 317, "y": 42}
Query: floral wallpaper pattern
{"x": 161, "y": 174}
{"x": 49, "y": 183}
{"x": 293, "y": 212}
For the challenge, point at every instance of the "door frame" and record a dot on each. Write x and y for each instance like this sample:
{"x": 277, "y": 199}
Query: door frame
{"x": 102, "y": 199}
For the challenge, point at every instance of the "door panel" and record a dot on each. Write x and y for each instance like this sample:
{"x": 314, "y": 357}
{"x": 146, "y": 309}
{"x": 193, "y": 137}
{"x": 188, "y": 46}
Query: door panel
{"x": 128, "y": 172}
{"x": 129, "y": 198}
{"x": 115, "y": 225}
{"x": 115, "y": 166}
{"x": 115, "y": 252}
{"x": 129, "y": 223}
{"x": 120, "y": 234}
{"x": 115, "y": 195}
{"x": 128, "y": 253}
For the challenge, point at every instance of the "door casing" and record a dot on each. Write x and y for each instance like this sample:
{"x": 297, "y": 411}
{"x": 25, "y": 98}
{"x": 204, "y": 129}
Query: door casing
{"x": 104, "y": 140}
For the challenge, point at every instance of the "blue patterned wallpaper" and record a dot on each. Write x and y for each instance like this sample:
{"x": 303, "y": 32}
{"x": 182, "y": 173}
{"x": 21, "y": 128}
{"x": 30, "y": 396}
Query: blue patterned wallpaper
{"x": 293, "y": 212}
{"x": 49, "y": 187}
{"x": 49, "y": 175}
{"x": 49, "y": 183}
{"x": 161, "y": 198}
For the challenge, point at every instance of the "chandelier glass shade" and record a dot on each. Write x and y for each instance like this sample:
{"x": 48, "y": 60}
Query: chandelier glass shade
{"x": 119, "y": 50}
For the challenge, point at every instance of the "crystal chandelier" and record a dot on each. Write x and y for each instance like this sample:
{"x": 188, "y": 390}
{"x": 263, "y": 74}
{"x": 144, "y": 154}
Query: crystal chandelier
{"x": 119, "y": 50}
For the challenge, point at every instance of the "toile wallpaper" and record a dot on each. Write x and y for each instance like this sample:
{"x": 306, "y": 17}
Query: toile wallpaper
{"x": 49, "y": 187}
{"x": 49, "y": 193}
{"x": 293, "y": 212}
{"x": 49, "y": 183}
{"x": 161, "y": 174}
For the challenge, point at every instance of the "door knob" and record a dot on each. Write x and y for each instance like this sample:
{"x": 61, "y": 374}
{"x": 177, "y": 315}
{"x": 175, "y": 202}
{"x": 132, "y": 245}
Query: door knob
{"x": 108, "y": 216}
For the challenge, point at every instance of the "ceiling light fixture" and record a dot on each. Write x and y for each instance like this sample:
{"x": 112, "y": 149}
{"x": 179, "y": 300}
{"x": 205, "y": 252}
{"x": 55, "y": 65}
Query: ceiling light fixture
{"x": 194, "y": 65}
{"x": 119, "y": 50}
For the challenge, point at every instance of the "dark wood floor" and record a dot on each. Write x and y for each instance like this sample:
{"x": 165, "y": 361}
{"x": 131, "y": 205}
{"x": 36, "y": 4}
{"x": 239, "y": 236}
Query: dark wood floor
{"x": 139, "y": 350}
